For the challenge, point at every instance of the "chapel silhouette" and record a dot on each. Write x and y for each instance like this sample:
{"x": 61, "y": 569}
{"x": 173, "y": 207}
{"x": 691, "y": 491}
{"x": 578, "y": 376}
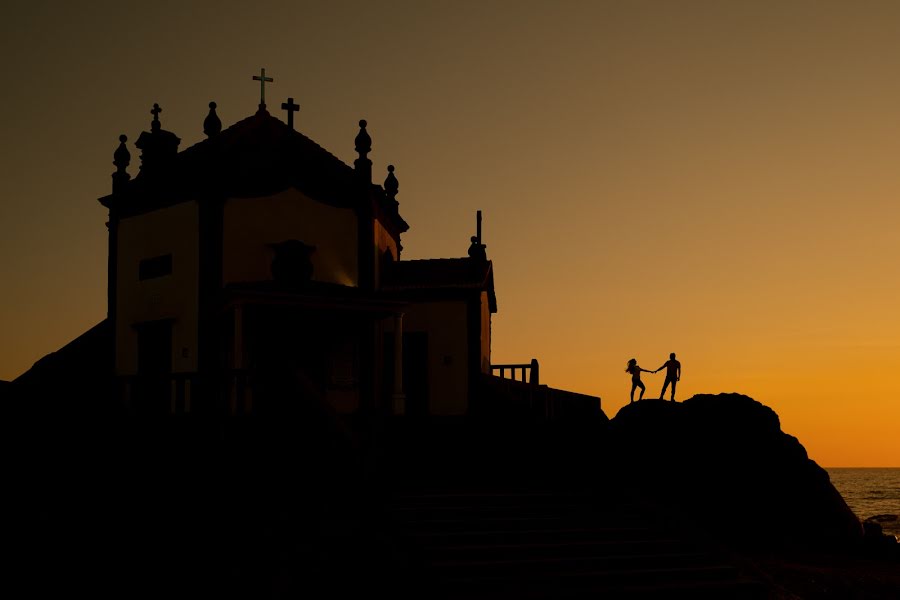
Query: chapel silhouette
{"x": 256, "y": 256}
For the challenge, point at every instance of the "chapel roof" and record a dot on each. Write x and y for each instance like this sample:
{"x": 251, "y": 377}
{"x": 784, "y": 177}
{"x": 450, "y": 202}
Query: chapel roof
{"x": 259, "y": 155}
{"x": 442, "y": 274}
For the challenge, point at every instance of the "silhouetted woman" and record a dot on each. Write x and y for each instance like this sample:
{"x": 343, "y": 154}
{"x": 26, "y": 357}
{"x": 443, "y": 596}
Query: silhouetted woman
{"x": 635, "y": 371}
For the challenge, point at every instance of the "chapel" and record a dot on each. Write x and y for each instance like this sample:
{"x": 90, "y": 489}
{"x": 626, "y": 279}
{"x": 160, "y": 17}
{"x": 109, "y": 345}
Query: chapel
{"x": 256, "y": 261}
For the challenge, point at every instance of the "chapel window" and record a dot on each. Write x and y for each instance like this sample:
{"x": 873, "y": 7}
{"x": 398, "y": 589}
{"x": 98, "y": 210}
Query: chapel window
{"x": 158, "y": 266}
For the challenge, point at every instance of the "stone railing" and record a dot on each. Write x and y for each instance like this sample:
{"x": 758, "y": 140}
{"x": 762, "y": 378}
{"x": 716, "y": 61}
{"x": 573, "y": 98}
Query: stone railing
{"x": 532, "y": 369}
{"x": 166, "y": 393}
{"x": 506, "y": 398}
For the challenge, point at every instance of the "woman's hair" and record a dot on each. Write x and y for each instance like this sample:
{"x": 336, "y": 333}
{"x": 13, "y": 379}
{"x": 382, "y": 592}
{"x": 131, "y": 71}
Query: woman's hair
{"x": 631, "y": 363}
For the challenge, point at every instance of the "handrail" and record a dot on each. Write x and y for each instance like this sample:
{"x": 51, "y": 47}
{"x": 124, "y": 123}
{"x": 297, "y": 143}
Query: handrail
{"x": 534, "y": 377}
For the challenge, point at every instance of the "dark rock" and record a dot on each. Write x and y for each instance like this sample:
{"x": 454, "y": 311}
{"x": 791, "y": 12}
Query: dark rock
{"x": 876, "y": 542}
{"x": 882, "y": 519}
{"x": 723, "y": 461}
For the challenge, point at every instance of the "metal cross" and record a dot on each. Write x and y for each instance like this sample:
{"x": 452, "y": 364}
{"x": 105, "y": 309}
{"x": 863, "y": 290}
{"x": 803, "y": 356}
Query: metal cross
{"x": 291, "y": 108}
{"x": 262, "y": 79}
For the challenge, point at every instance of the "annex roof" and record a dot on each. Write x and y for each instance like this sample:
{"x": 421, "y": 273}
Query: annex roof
{"x": 442, "y": 273}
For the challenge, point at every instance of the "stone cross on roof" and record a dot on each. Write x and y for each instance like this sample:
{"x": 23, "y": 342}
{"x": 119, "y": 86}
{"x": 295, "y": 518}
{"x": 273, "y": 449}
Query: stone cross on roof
{"x": 291, "y": 108}
{"x": 154, "y": 125}
{"x": 262, "y": 79}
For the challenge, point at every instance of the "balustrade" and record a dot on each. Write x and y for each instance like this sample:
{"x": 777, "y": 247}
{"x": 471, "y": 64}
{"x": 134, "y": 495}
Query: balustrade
{"x": 530, "y": 371}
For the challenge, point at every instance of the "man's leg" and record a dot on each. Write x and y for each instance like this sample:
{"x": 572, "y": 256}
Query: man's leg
{"x": 663, "y": 392}
{"x": 674, "y": 381}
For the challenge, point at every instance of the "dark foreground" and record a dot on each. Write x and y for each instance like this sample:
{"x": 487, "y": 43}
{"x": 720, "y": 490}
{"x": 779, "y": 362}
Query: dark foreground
{"x": 312, "y": 506}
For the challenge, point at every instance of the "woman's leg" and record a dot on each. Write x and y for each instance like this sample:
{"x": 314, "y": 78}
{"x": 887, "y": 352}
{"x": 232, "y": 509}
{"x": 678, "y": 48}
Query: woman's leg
{"x": 643, "y": 388}
{"x": 634, "y": 384}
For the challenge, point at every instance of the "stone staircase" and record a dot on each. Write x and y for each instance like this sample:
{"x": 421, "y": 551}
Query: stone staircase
{"x": 515, "y": 543}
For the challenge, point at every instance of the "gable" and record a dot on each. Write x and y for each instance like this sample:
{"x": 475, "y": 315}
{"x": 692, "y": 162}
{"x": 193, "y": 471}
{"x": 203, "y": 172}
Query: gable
{"x": 253, "y": 226}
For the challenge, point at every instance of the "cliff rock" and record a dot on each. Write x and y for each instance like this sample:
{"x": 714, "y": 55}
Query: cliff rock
{"x": 724, "y": 461}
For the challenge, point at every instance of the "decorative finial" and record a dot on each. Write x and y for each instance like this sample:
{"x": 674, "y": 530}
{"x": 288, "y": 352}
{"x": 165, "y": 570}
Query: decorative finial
{"x": 291, "y": 108}
{"x": 391, "y": 185}
{"x": 363, "y": 147}
{"x": 155, "y": 125}
{"x": 363, "y": 141}
{"x": 262, "y": 79}
{"x": 211, "y": 124}
{"x": 122, "y": 157}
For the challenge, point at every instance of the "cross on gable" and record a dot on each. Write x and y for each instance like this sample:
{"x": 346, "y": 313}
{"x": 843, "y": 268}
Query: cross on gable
{"x": 262, "y": 79}
{"x": 155, "y": 112}
{"x": 291, "y": 108}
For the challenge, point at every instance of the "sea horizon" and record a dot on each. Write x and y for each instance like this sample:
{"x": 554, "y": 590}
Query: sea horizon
{"x": 835, "y": 468}
{"x": 870, "y": 492}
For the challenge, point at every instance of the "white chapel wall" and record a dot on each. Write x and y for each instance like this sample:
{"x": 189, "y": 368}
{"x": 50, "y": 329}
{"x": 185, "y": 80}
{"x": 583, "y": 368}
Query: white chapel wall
{"x": 172, "y": 230}
{"x": 485, "y": 334}
{"x": 251, "y": 224}
{"x": 446, "y": 324}
{"x": 384, "y": 241}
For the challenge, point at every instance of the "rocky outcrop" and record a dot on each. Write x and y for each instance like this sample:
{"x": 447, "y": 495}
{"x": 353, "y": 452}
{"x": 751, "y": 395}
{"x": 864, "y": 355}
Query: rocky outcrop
{"x": 723, "y": 461}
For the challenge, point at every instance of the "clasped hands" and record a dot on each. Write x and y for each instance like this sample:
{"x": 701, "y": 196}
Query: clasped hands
{"x": 658, "y": 370}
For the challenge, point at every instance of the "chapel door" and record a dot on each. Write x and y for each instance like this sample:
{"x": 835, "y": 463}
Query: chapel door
{"x": 415, "y": 373}
{"x": 155, "y": 366}
{"x": 289, "y": 358}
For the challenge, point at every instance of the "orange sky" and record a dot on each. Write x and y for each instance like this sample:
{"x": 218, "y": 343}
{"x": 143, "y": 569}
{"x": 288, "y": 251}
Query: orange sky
{"x": 718, "y": 179}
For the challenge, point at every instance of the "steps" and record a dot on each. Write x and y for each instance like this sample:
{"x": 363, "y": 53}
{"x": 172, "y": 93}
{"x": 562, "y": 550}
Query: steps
{"x": 523, "y": 543}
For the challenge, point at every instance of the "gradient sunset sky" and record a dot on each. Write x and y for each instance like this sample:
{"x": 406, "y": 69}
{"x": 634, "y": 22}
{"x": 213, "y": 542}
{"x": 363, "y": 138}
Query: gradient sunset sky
{"x": 717, "y": 179}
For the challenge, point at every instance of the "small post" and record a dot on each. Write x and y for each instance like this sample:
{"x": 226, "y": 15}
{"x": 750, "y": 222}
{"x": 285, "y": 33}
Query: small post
{"x": 399, "y": 399}
{"x": 238, "y": 349}
{"x": 478, "y": 227}
{"x": 535, "y": 372}
{"x": 237, "y": 364}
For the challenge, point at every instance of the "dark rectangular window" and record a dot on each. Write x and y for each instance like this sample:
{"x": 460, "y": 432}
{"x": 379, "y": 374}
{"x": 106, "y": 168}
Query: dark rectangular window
{"x": 158, "y": 266}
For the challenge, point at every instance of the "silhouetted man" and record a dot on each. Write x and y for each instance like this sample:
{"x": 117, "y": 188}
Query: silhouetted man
{"x": 673, "y": 375}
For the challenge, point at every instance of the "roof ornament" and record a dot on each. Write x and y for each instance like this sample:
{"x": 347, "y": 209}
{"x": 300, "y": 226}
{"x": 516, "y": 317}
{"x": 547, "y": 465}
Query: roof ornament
{"x": 262, "y": 79}
{"x": 212, "y": 125}
{"x": 363, "y": 147}
{"x": 157, "y": 147}
{"x": 291, "y": 108}
{"x": 477, "y": 250}
{"x": 155, "y": 124}
{"x": 391, "y": 185}
{"x": 363, "y": 141}
{"x": 121, "y": 159}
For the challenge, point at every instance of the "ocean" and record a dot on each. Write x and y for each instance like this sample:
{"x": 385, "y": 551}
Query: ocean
{"x": 871, "y": 492}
